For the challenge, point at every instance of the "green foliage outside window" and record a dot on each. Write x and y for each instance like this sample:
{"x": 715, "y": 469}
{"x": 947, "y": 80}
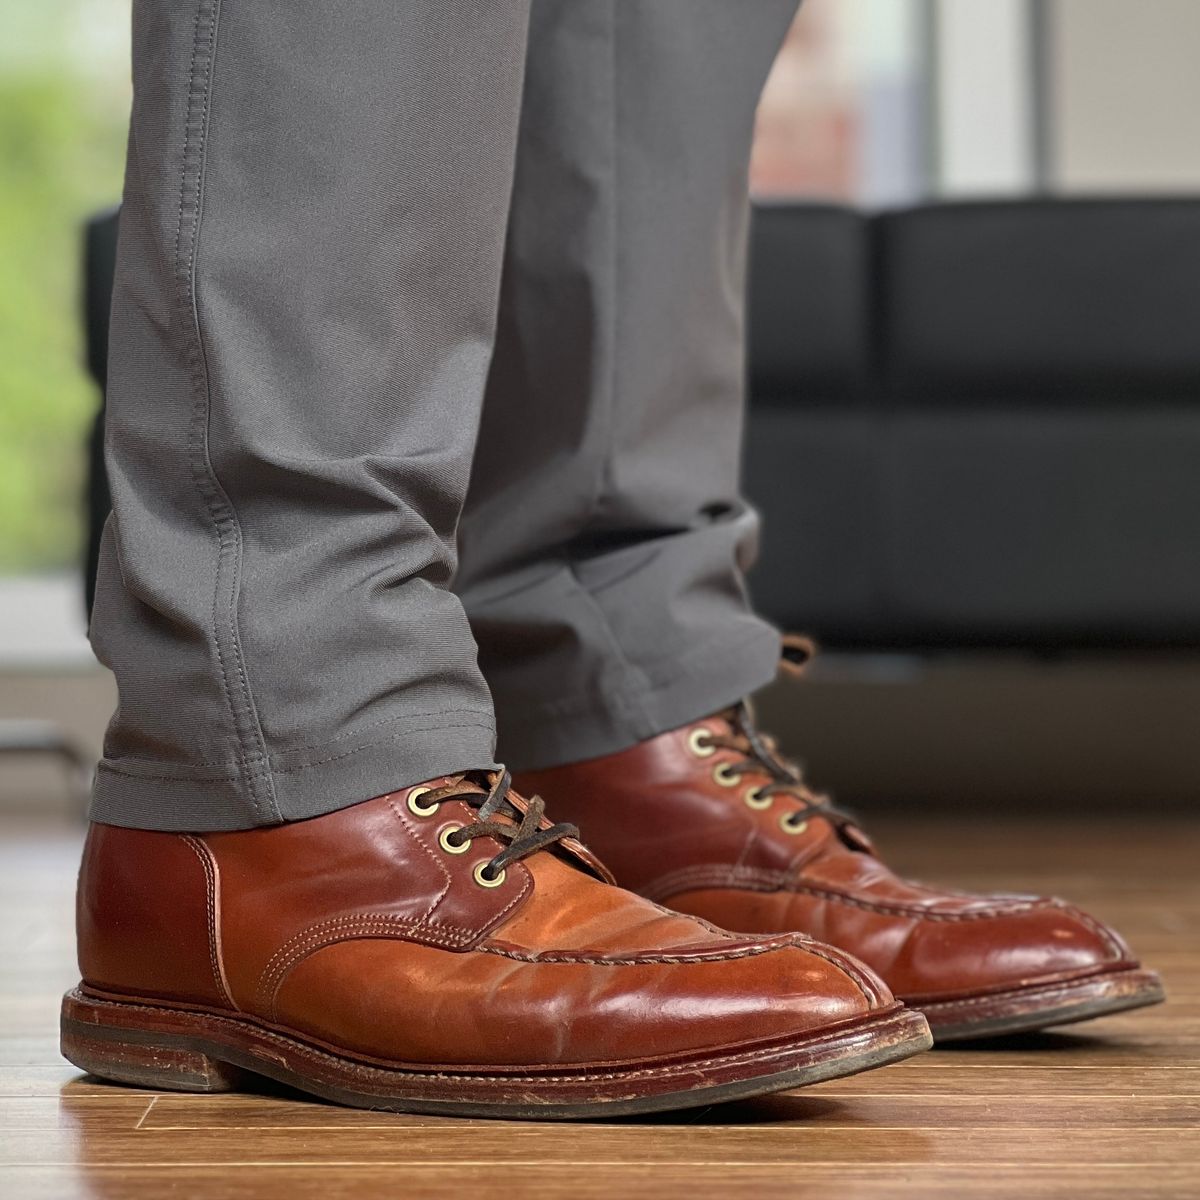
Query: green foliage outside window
{"x": 62, "y": 133}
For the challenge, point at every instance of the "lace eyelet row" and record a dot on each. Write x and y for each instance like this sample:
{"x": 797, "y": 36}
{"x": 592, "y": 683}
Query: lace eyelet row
{"x": 700, "y": 744}
{"x": 480, "y": 874}
{"x": 787, "y": 822}
{"x": 755, "y": 799}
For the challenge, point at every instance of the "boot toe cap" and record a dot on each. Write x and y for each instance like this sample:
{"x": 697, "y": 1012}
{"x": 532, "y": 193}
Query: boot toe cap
{"x": 1011, "y": 944}
{"x": 523, "y": 1010}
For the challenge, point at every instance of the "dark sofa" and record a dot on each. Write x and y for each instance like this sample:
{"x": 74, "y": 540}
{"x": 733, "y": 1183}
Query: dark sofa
{"x": 979, "y": 424}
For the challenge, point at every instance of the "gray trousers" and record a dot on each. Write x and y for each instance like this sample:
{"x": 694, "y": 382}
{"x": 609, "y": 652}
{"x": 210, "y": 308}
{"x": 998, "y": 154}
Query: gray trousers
{"x": 402, "y": 283}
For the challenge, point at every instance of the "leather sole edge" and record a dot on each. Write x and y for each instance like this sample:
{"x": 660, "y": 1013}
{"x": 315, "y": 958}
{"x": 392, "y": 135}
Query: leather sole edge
{"x": 190, "y": 1051}
{"x": 1034, "y": 1007}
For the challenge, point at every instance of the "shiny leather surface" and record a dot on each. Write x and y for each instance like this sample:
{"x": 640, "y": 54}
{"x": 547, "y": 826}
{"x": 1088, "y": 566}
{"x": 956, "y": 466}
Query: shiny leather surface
{"x": 701, "y": 848}
{"x": 360, "y": 929}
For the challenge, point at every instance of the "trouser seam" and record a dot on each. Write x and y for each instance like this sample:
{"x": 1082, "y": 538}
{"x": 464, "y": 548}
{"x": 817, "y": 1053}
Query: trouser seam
{"x": 603, "y": 479}
{"x": 231, "y": 673}
{"x": 612, "y": 369}
{"x": 642, "y": 686}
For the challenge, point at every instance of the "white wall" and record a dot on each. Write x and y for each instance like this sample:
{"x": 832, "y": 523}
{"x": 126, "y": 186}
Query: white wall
{"x": 1125, "y": 95}
{"x": 984, "y": 94}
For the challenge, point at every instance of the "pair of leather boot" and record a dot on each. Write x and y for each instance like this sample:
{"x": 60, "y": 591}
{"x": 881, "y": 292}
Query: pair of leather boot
{"x": 447, "y": 949}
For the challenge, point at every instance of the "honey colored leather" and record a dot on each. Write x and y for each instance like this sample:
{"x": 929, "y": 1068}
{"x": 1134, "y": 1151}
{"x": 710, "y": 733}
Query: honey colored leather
{"x": 360, "y": 929}
{"x": 701, "y": 849}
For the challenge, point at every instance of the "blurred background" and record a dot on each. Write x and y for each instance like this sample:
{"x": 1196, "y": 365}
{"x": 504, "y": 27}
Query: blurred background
{"x": 975, "y": 421}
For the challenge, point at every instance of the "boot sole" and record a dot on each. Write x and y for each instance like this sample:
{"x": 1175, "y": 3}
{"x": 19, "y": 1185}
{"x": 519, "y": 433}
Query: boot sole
{"x": 188, "y": 1050}
{"x": 1039, "y": 1006}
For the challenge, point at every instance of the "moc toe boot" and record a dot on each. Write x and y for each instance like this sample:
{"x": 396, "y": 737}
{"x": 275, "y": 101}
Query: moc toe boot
{"x": 727, "y": 831}
{"x": 445, "y": 949}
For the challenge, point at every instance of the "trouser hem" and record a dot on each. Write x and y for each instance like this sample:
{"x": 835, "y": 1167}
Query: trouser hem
{"x": 535, "y": 737}
{"x": 205, "y": 802}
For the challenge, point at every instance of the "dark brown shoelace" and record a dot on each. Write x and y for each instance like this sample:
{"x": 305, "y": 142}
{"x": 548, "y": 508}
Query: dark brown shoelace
{"x": 784, "y": 778}
{"x": 488, "y": 793}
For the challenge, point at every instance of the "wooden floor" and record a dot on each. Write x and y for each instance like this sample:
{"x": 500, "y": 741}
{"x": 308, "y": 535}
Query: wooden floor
{"x": 1107, "y": 1109}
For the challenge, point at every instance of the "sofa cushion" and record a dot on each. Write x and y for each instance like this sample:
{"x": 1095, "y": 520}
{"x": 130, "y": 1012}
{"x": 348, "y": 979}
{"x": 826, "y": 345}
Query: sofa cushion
{"x": 809, "y": 306}
{"x": 1079, "y": 302}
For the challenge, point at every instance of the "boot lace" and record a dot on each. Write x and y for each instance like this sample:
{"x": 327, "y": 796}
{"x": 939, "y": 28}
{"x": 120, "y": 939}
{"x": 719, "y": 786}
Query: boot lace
{"x": 499, "y": 816}
{"x": 760, "y": 756}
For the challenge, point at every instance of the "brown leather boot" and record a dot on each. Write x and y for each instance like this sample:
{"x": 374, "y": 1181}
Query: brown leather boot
{"x": 709, "y": 820}
{"x": 444, "y": 949}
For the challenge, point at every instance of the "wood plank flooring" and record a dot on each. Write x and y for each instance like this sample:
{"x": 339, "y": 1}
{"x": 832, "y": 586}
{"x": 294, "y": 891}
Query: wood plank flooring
{"x": 1106, "y": 1109}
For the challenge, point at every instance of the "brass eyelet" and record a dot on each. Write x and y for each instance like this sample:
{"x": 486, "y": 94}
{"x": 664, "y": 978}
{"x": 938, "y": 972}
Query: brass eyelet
{"x": 453, "y": 847}
{"x": 725, "y": 775}
{"x": 420, "y": 810}
{"x": 789, "y": 826}
{"x": 755, "y": 799}
{"x": 699, "y": 743}
{"x": 488, "y": 881}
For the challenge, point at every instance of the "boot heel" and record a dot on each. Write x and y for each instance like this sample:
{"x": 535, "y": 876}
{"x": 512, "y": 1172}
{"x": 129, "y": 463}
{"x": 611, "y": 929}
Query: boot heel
{"x": 121, "y": 1055}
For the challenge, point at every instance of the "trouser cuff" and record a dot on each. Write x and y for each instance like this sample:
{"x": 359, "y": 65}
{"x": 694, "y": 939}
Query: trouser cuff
{"x": 534, "y": 737}
{"x": 154, "y": 796}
